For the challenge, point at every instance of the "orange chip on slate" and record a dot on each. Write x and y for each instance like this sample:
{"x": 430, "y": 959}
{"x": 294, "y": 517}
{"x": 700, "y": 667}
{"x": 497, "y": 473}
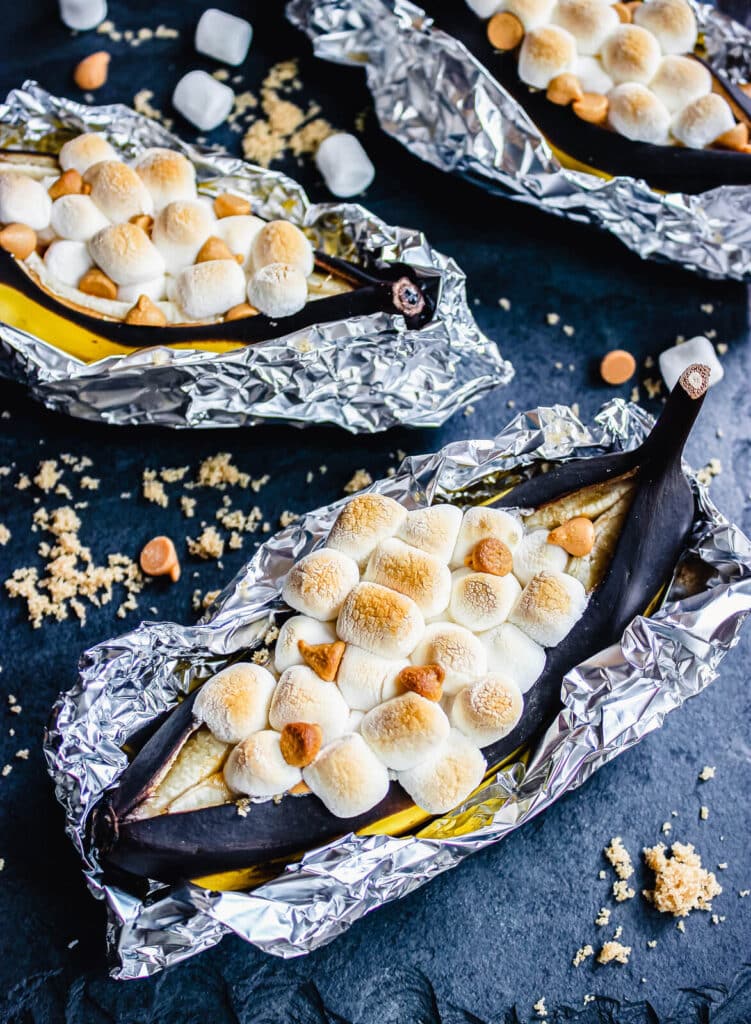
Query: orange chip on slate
{"x": 617, "y": 367}
{"x": 159, "y": 558}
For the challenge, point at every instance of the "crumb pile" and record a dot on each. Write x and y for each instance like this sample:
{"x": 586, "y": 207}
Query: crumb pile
{"x": 681, "y": 883}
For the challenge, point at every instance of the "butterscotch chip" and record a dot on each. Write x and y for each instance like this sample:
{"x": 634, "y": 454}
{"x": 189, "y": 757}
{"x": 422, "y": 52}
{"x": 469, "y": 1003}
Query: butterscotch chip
{"x": 238, "y": 312}
{"x": 300, "y": 742}
{"x": 735, "y": 139}
{"x": 592, "y": 108}
{"x": 425, "y": 680}
{"x": 159, "y": 558}
{"x": 145, "y": 313}
{"x": 576, "y": 536}
{"x": 214, "y": 249}
{"x": 324, "y": 659}
{"x": 490, "y": 555}
{"x": 91, "y": 72}
{"x": 617, "y": 366}
{"x": 142, "y": 221}
{"x": 229, "y": 205}
{"x": 96, "y": 282}
{"x": 301, "y": 789}
{"x": 624, "y": 13}
{"x": 505, "y": 31}
{"x": 19, "y": 240}
{"x": 69, "y": 183}
{"x": 564, "y": 89}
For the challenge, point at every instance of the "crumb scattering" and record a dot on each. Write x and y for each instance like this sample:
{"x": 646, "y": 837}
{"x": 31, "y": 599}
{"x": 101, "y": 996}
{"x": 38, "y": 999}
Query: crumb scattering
{"x": 619, "y": 858}
{"x": 582, "y": 954}
{"x": 614, "y": 952}
{"x": 681, "y": 883}
{"x": 360, "y": 479}
{"x": 707, "y": 773}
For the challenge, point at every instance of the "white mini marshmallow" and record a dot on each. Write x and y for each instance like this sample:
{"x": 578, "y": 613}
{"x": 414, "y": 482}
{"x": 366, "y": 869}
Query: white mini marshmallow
{"x": 703, "y": 121}
{"x": 673, "y": 361}
{"x": 210, "y": 289}
{"x": 77, "y": 218}
{"x": 203, "y": 100}
{"x": 671, "y": 22}
{"x": 223, "y": 36}
{"x": 167, "y": 174}
{"x": 380, "y": 620}
{"x": 301, "y": 696}
{"x": 404, "y": 730}
{"x": 535, "y": 554}
{"x": 280, "y": 241}
{"x": 23, "y": 201}
{"x": 432, "y": 529}
{"x": 278, "y": 290}
{"x": 546, "y": 53}
{"x": 155, "y": 289}
{"x": 549, "y": 607}
{"x": 412, "y": 572}
{"x": 347, "y": 777}
{"x": 238, "y": 233}
{"x": 447, "y": 777}
{"x": 366, "y": 680}
{"x": 480, "y": 601}
{"x": 636, "y": 113}
{"x": 456, "y": 650}
{"x": 126, "y": 254}
{"x": 485, "y": 8}
{"x": 257, "y": 768}
{"x": 344, "y": 165}
{"x": 235, "y": 702}
{"x": 590, "y": 22}
{"x": 179, "y": 231}
{"x": 513, "y": 655}
{"x": 531, "y": 13}
{"x": 296, "y": 628}
{"x": 363, "y": 523}
{"x": 631, "y": 54}
{"x": 592, "y": 75}
{"x": 318, "y": 584}
{"x": 118, "y": 191}
{"x": 84, "y": 151}
{"x": 679, "y": 81}
{"x": 68, "y": 261}
{"x": 480, "y": 523}
{"x": 488, "y": 710}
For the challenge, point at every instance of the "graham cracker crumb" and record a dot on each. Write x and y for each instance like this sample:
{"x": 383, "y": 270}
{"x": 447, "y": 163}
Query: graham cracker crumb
{"x": 173, "y": 475}
{"x": 614, "y": 952}
{"x": 5, "y": 534}
{"x": 539, "y": 1007}
{"x": 153, "y": 489}
{"x": 681, "y": 883}
{"x": 89, "y": 483}
{"x": 581, "y": 954}
{"x": 218, "y": 471}
{"x": 208, "y": 545}
{"x": 622, "y": 891}
{"x": 619, "y": 857}
{"x": 48, "y": 475}
{"x": 361, "y": 478}
{"x": 707, "y": 772}
{"x": 188, "y": 506}
{"x": 603, "y": 917}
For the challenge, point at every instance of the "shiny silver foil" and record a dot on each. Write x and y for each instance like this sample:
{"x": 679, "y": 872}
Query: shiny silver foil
{"x": 364, "y": 374}
{"x": 610, "y": 703}
{"x": 474, "y": 128}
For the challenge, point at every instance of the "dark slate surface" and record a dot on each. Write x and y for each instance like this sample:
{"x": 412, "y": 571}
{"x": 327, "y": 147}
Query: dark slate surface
{"x": 485, "y": 941}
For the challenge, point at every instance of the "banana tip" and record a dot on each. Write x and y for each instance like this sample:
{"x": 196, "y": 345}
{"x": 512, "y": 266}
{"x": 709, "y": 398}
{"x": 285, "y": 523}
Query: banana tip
{"x": 695, "y": 380}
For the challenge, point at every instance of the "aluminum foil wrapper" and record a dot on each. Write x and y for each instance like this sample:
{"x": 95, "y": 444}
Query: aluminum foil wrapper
{"x": 610, "y": 703}
{"x": 364, "y": 374}
{"x": 474, "y": 128}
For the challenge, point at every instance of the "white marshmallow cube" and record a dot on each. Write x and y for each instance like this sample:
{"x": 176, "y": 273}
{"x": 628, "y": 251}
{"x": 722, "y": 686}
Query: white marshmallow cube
{"x": 68, "y": 261}
{"x": 203, "y": 100}
{"x": 223, "y": 36}
{"x": 345, "y": 166}
{"x": 81, "y": 15}
{"x": 673, "y": 361}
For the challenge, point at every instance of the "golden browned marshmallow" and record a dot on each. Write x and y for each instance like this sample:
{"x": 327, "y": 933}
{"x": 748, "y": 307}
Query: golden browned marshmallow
{"x": 513, "y": 655}
{"x": 23, "y": 201}
{"x": 458, "y": 651}
{"x": 480, "y": 523}
{"x": 432, "y": 529}
{"x": 447, "y": 777}
{"x": 380, "y": 620}
{"x": 280, "y": 241}
{"x": 535, "y": 554}
{"x": 256, "y": 767}
{"x": 703, "y": 121}
{"x": 637, "y": 114}
{"x": 300, "y": 696}
{"x": 364, "y": 522}
{"x": 318, "y": 584}
{"x": 365, "y": 680}
{"x": 671, "y": 22}
{"x": 404, "y": 730}
{"x": 296, "y": 628}
{"x": 679, "y": 81}
{"x": 84, "y": 151}
{"x": 631, "y": 54}
{"x": 480, "y": 601}
{"x": 207, "y": 290}
{"x": 239, "y": 233}
{"x": 347, "y": 777}
{"x": 179, "y": 231}
{"x": 590, "y": 22}
{"x": 488, "y": 710}
{"x": 531, "y": 13}
{"x": 549, "y": 607}
{"x": 126, "y": 254}
{"x": 414, "y": 573}
{"x": 117, "y": 190}
{"x": 546, "y": 53}
{"x": 235, "y": 702}
{"x": 167, "y": 175}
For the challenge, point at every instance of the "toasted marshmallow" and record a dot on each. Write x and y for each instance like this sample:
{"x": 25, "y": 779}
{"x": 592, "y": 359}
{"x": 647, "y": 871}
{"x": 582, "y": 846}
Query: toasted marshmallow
{"x": 347, "y": 777}
{"x": 300, "y": 696}
{"x": 590, "y": 22}
{"x": 433, "y": 530}
{"x": 238, "y": 233}
{"x": 299, "y": 627}
{"x": 167, "y": 175}
{"x": 457, "y": 651}
{"x": 703, "y": 121}
{"x": 68, "y": 261}
{"x": 404, "y": 730}
{"x": 209, "y": 289}
{"x": 365, "y": 680}
{"x": 480, "y": 523}
{"x": 280, "y": 241}
{"x": 545, "y": 53}
{"x": 235, "y": 702}
{"x": 447, "y": 777}
{"x": 179, "y": 231}
{"x": 363, "y": 523}
{"x": 126, "y": 254}
{"x": 278, "y": 290}
{"x": 256, "y": 767}
{"x": 549, "y": 607}
{"x": 631, "y": 54}
{"x": 592, "y": 76}
{"x": 636, "y": 113}
{"x": 380, "y": 620}
{"x": 84, "y": 151}
{"x": 75, "y": 217}
{"x": 118, "y": 191}
{"x": 531, "y": 13}
{"x": 488, "y": 710}
{"x": 23, "y": 201}
{"x": 679, "y": 81}
{"x": 318, "y": 584}
{"x": 414, "y": 573}
{"x": 535, "y": 554}
{"x": 672, "y": 22}
{"x": 155, "y": 289}
{"x": 480, "y": 601}
{"x": 513, "y": 655}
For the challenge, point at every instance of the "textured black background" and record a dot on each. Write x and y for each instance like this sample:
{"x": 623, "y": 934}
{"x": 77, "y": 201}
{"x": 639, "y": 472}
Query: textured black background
{"x": 485, "y": 941}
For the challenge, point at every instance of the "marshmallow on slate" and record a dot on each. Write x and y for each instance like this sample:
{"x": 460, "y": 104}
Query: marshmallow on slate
{"x": 363, "y": 523}
{"x": 432, "y": 529}
{"x": 299, "y": 627}
{"x": 75, "y": 217}
{"x": 484, "y": 8}
{"x": 344, "y": 165}
{"x": 531, "y": 13}
{"x": 81, "y": 15}
{"x": 671, "y": 22}
{"x": 67, "y": 261}
{"x": 480, "y": 523}
{"x": 256, "y": 767}
{"x": 23, "y": 201}
{"x": 513, "y": 655}
{"x": 179, "y": 231}
{"x": 278, "y": 290}
{"x": 238, "y": 232}
{"x": 210, "y": 289}
{"x": 535, "y": 554}
{"x": 167, "y": 175}
{"x": 480, "y": 601}
{"x": 631, "y": 54}
{"x": 118, "y": 191}
{"x": 203, "y": 100}
{"x": 300, "y": 696}
{"x": 280, "y": 241}
{"x": 347, "y": 777}
{"x": 155, "y": 289}
{"x": 235, "y": 702}
{"x": 318, "y": 584}
{"x": 447, "y": 777}
{"x": 703, "y": 121}
{"x": 404, "y": 730}
{"x": 590, "y": 22}
{"x": 673, "y": 361}
{"x": 592, "y": 76}
{"x": 546, "y": 53}
{"x": 679, "y": 81}
{"x": 126, "y": 254}
{"x": 84, "y": 151}
{"x": 488, "y": 710}
{"x": 223, "y": 36}
{"x": 636, "y": 113}
{"x": 365, "y": 680}
{"x": 456, "y": 650}
{"x": 549, "y": 607}
{"x": 414, "y": 573}
{"x": 380, "y": 620}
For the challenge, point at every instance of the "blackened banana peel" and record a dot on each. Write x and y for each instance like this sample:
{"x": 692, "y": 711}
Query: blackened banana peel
{"x": 219, "y": 840}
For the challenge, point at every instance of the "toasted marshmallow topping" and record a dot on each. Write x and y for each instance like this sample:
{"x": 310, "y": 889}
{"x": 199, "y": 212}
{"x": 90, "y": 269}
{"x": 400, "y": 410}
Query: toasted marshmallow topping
{"x": 414, "y": 573}
{"x": 179, "y": 231}
{"x": 672, "y": 22}
{"x": 238, "y": 233}
{"x": 280, "y": 241}
{"x": 117, "y": 190}
{"x": 363, "y": 523}
{"x": 535, "y": 554}
{"x": 235, "y": 702}
{"x": 545, "y": 53}
{"x": 209, "y": 289}
{"x": 459, "y": 653}
{"x": 433, "y": 530}
{"x": 480, "y": 523}
{"x": 67, "y": 261}
{"x": 703, "y": 121}
{"x": 679, "y": 81}
{"x": 23, "y": 201}
{"x": 76, "y": 218}
{"x": 84, "y": 151}
{"x": 531, "y": 13}
{"x": 550, "y": 605}
{"x": 404, "y": 730}
{"x": 380, "y": 620}
{"x": 447, "y": 776}
{"x": 299, "y": 627}
{"x": 278, "y": 290}
{"x": 592, "y": 75}
{"x": 631, "y": 54}
{"x": 480, "y": 601}
{"x": 126, "y": 254}
{"x": 347, "y": 777}
{"x": 256, "y": 767}
{"x": 167, "y": 175}
{"x": 488, "y": 710}
{"x": 300, "y": 696}
{"x": 318, "y": 584}
{"x": 513, "y": 655}
{"x": 365, "y": 680}
{"x": 590, "y": 22}
{"x": 636, "y": 113}
{"x": 155, "y": 289}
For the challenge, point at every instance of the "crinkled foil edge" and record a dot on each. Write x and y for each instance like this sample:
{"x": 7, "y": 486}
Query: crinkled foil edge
{"x": 610, "y": 703}
{"x": 364, "y": 373}
{"x": 472, "y": 127}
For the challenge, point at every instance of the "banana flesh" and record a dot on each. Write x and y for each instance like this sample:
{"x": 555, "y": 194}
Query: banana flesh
{"x": 201, "y": 757}
{"x": 590, "y": 569}
{"x": 590, "y": 501}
